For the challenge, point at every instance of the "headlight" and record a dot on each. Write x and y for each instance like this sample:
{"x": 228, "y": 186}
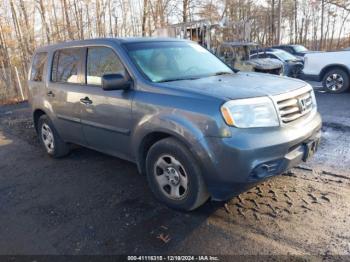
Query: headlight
{"x": 251, "y": 112}
{"x": 313, "y": 97}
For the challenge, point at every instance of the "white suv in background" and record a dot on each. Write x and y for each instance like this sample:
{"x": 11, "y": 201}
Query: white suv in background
{"x": 332, "y": 68}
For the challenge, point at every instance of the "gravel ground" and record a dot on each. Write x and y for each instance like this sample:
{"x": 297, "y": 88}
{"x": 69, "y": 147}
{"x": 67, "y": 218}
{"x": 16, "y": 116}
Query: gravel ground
{"x": 91, "y": 203}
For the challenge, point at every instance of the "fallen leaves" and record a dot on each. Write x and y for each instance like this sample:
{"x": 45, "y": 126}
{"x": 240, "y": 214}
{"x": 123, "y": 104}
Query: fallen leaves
{"x": 164, "y": 238}
{"x": 227, "y": 209}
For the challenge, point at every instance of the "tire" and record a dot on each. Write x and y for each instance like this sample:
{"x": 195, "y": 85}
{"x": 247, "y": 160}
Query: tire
{"x": 172, "y": 164}
{"x": 336, "y": 81}
{"x": 47, "y": 133}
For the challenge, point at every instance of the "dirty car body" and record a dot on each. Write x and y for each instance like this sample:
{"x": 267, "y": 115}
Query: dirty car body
{"x": 238, "y": 128}
{"x": 292, "y": 65}
{"x": 296, "y": 50}
{"x": 238, "y": 55}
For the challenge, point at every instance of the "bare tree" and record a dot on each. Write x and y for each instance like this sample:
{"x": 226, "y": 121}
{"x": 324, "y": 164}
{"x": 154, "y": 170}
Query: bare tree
{"x": 322, "y": 23}
{"x": 44, "y": 21}
{"x": 68, "y": 24}
{"x": 185, "y": 9}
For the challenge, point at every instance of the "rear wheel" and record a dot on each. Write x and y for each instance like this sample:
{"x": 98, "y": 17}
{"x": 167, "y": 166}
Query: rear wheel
{"x": 336, "y": 81}
{"x": 174, "y": 176}
{"x": 50, "y": 139}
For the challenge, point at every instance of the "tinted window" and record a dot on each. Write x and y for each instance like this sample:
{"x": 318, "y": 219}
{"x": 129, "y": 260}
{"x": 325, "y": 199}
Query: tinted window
{"x": 284, "y": 55}
{"x": 284, "y": 48}
{"x": 290, "y": 50}
{"x": 300, "y": 48}
{"x": 260, "y": 55}
{"x": 38, "y": 66}
{"x": 100, "y": 61}
{"x": 66, "y": 65}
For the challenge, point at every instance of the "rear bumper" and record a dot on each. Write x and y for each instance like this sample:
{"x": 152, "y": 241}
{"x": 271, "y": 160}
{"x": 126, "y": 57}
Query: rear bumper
{"x": 252, "y": 155}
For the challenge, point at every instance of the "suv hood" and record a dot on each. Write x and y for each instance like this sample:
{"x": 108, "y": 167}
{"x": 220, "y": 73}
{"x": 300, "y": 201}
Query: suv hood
{"x": 239, "y": 85}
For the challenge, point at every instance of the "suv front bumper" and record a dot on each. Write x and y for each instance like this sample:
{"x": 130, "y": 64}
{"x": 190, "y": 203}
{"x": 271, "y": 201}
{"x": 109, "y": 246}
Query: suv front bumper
{"x": 249, "y": 156}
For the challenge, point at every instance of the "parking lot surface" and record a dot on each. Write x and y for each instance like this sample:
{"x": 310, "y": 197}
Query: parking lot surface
{"x": 91, "y": 203}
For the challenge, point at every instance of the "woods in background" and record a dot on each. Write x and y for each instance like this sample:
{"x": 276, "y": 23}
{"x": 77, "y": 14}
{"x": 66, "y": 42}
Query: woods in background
{"x": 26, "y": 24}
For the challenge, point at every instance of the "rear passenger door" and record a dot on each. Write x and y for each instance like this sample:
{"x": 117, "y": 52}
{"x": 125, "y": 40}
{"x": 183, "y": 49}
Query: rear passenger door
{"x": 106, "y": 117}
{"x": 65, "y": 89}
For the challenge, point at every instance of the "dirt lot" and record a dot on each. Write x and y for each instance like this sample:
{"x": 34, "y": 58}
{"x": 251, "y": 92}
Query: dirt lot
{"x": 90, "y": 203}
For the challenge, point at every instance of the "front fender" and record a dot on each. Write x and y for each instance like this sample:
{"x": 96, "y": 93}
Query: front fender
{"x": 179, "y": 127}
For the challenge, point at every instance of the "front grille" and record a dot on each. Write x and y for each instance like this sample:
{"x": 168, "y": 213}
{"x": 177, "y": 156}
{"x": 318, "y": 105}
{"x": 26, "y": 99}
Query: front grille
{"x": 292, "y": 107}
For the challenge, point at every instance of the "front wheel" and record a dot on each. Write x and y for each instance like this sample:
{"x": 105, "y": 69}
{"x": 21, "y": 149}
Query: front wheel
{"x": 174, "y": 176}
{"x": 336, "y": 81}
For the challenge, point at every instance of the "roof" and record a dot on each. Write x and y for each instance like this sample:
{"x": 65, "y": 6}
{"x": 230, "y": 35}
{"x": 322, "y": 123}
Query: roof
{"x": 286, "y": 45}
{"x": 107, "y": 41}
{"x": 240, "y": 43}
{"x": 148, "y": 39}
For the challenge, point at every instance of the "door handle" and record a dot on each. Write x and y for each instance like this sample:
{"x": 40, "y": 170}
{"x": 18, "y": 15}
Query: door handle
{"x": 50, "y": 94}
{"x": 86, "y": 101}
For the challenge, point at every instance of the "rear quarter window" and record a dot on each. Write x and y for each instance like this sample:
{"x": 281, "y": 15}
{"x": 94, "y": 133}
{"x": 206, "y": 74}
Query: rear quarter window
{"x": 38, "y": 67}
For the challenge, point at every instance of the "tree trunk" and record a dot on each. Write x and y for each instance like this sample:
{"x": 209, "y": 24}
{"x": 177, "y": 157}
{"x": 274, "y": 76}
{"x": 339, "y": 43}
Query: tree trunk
{"x": 279, "y": 22}
{"x": 272, "y": 41}
{"x": 144, "y": 17}
{"x": 110, "y": 19}
{"x": 296, "y": 20}
{"x": 322, "y": 22}
{"x": 19, "y": 38}
{"x": 29, "y": 38}
{"x": 69, "y": 28}
{"x": 43, "y": 19}
{"x": 76, "y": 16}
{"x": 185, "y": 4}
{"x": 58, "y": 33}
{"x": 341, "y": 29}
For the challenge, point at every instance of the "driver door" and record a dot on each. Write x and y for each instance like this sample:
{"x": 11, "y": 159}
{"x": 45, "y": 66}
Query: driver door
{"x": 106, "y": 117}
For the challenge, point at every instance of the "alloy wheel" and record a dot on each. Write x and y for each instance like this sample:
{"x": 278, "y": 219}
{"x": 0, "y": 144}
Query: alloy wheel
{"x": 334, "y": 82}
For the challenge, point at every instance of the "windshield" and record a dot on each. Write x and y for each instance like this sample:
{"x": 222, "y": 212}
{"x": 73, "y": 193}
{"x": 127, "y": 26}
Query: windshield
{"x": 285, "y": 55}
{"x": 300, "y": 48}
{"x": 170, "y": 61}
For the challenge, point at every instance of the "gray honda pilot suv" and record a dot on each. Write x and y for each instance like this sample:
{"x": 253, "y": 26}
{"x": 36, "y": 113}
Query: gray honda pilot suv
{"x": 194, "y": 126}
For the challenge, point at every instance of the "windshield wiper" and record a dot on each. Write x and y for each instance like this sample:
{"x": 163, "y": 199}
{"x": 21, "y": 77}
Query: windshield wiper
{"x": 194, "y": 78}
{"x": 222, "y": 73}
{"x": 177, "y": 79}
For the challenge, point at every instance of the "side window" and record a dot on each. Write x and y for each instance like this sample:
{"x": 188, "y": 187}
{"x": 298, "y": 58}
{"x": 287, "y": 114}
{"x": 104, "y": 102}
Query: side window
{"x": 100, "y": 61}
{"x": 263, "y": 55}
{"x": 38, "y": 67}
{"x": 66, "y": 65}
{"x": 290, "y": 50}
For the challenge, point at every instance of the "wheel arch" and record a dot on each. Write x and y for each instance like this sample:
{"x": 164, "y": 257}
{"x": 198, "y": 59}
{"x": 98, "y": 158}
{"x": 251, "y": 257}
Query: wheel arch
{"x": 152, "y": 129}
{"x": 332, "y": 67}
{"x": 153, "y": 137}
{"x": 146, "y": 143}
{"x": 37, "y": 113}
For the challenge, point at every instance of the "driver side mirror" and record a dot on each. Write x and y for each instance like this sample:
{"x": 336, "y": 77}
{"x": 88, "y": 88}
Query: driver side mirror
{"x": 115, "y": 82}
